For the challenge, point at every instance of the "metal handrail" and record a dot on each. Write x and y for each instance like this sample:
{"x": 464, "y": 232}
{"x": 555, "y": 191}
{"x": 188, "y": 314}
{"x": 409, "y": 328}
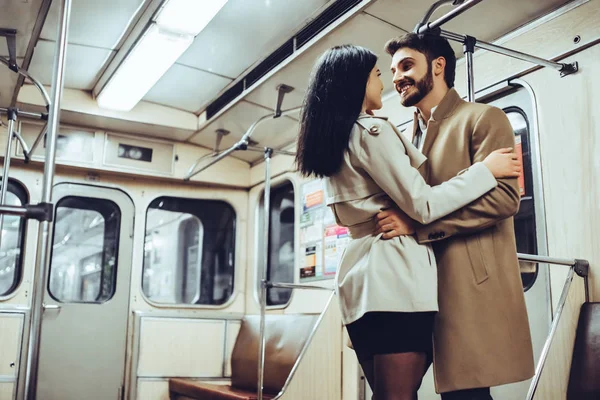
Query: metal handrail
{"x": 35, "y": 82}
{"x": 240, "y": 145}
{"x": 261, "y": 364}
{"x": 577, "y": 266}
{"x": 433, "y": 8}
{"x": 447, "y": 17}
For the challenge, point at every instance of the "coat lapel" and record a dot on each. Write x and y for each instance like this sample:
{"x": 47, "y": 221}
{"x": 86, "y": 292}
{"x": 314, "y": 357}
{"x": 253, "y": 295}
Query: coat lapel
{"x": 442, "y": 111}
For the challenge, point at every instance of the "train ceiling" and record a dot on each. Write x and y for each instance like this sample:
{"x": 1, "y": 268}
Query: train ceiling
{"x": 228, "y": 77}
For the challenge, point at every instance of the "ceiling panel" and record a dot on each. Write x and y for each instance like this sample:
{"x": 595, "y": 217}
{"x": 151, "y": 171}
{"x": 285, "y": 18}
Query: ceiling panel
{"x": 477, "y": 21}
{"x": 186, "y": 88}
{"x": 82, "y": 66}
{"x": 246, "y": 31}
{"x": 20, "y": 15}
{"x": 238, "y": 119}
{"x": 98, "y": 23}
{"x": 363, "y": 30}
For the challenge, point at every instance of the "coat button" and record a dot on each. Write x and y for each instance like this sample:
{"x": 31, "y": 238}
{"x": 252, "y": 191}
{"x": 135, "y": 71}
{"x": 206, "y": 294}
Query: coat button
{"x": 442, "y": 234}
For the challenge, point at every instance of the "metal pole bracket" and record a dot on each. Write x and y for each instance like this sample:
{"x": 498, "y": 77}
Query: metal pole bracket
{"x": 569, "y": 69}
{"x": 582, "y": 267}
{"x": 11, "y": 43}
{"x": 469, "y": 44}
{"x": 282, "y": 90}
{"x": 41, "y": 211}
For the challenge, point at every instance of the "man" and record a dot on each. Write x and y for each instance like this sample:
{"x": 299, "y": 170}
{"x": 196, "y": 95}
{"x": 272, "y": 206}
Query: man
{"x": 481, "y": 337}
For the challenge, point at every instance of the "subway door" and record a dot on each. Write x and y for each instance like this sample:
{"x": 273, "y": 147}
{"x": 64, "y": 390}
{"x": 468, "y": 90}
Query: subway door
{"x": 530, "y": 228}
{"x": 86, "y": 299}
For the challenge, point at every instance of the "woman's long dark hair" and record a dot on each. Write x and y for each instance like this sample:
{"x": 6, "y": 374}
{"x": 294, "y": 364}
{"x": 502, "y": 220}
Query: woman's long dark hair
{"x": 333, "y": 101}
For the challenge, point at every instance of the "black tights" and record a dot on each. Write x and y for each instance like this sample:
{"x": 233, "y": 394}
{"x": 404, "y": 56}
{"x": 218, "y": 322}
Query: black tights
{"x": 395, "y": 376}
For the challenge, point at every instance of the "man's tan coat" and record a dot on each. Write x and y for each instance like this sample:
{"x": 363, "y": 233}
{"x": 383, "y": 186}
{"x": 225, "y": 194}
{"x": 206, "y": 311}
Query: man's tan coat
{"x": 482, "y": 333}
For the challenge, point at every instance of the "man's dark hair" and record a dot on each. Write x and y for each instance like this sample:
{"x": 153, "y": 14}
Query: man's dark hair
{"x": 432, "y": 46}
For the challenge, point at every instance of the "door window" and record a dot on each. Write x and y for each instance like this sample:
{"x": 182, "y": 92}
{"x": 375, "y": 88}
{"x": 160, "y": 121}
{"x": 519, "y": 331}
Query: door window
{"x": 83, "y": 268}
{"x": 11, "y": 241}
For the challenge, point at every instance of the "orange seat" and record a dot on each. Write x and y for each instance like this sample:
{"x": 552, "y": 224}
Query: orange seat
{"x": 285, "y": 336}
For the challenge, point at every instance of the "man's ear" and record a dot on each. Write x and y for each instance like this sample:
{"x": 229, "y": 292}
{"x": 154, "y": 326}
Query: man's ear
{"x": 438, "y": 66}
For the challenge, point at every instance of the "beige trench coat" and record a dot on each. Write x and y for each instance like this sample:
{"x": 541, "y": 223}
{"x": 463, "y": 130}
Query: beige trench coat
{"x": 482, "y": 333}
{"x": 400, "y": 274}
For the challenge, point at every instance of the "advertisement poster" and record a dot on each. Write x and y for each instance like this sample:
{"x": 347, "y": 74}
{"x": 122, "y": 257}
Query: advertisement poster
{"x": 322, "y": 241}
{"x": 312, "y": 195}
{"x": 519, "y": 151}
{"x": 311, "y": 230}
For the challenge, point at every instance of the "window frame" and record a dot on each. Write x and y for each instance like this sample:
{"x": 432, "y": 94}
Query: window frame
{"x": 258, "y": 245}
{"x": 236, "y": 259}
{"x": 19, "y": 273}
{"x": 528, "y": 179}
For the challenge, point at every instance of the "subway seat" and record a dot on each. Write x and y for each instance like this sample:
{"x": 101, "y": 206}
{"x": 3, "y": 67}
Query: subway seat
{"x": 285, "y": 336}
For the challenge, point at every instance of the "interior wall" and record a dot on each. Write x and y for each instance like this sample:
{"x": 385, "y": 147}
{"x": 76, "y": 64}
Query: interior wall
{"x": 569, "y": 141}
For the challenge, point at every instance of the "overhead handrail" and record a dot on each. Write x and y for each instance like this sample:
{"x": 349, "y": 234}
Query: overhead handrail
{"x": 455, "y": 12}
{"x": 433, "y": 8}
{"x": 242, "y": 144}
{"x": 245, "y": 142}
{"x": 470, "y": 43}
{"x": 31, "y": 79}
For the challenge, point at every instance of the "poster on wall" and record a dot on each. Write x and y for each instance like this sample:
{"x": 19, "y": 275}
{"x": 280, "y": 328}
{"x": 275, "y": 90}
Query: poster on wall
{"x": 321, "y": 240}
{"x": 311, "y": 230}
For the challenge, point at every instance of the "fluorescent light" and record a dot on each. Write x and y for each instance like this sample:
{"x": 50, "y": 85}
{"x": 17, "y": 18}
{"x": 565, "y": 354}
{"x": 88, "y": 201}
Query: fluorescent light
{"x": 166, "y": 39}
{"x": 151, "y": 57}
{"x": 188, "y": 16}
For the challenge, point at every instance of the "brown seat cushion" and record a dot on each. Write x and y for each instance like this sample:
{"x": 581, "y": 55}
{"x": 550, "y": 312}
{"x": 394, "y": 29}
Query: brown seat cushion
{"x": 207, "y": 391}
{"x": 584, "y": 382}
{"x": 285, "y": 337}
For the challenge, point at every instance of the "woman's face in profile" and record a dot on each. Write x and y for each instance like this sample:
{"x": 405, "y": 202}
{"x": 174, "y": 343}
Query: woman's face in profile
{"x": 374, "y": 89}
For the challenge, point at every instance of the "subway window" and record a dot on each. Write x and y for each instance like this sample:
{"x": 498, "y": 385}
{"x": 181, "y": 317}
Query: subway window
{"x": 281, "y": 254}
{"x": 525, "y": 228}
{"x": 189, "y": 251}
{"x": 11, "y": 241}
{"x": 83, "y": 267}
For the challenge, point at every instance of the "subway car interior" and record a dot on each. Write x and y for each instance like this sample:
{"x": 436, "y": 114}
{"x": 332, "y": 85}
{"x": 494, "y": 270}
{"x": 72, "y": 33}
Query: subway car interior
{"x": 157, "y": 241}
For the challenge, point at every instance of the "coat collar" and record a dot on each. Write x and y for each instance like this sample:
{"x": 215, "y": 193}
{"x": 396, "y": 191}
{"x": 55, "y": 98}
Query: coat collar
{"x": 443, "y": 110}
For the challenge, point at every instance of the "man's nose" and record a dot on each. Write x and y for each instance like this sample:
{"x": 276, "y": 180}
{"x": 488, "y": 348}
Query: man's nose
{"x": 398, "y": 76}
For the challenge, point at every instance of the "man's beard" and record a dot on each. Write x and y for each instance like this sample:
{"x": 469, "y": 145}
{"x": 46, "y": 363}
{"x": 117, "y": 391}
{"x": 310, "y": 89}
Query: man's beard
{"x": 423, "y": 86}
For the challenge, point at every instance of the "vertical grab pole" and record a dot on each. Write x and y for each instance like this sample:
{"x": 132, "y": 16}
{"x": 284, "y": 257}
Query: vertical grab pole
{"x": 12, "y": 118}
{"x": 468, "y": 49}
{"x": 43, "y": 243}
{"x": 263, "y": 281}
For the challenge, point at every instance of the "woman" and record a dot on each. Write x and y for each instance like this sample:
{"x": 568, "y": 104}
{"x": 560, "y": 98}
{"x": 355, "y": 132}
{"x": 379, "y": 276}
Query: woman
{"x": 387, "y": 289}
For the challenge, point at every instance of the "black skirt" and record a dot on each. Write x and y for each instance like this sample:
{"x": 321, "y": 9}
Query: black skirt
{"x": 392, "y": 332}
